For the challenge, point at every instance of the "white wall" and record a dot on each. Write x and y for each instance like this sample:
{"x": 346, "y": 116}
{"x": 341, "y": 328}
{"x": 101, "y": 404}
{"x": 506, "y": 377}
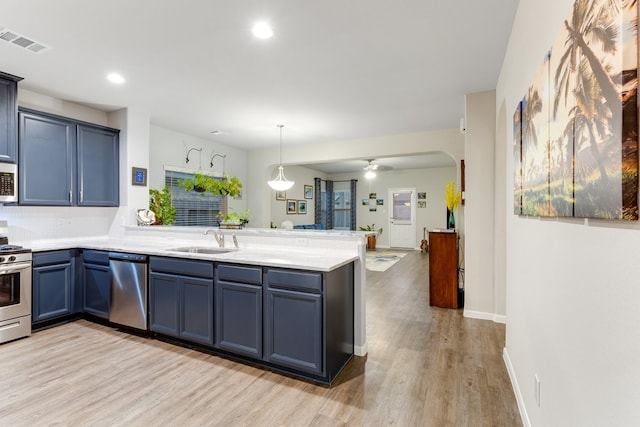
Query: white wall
{"x": 480, "y": 289}
{"x": 169, "y": 147}
{"x": 572, "y": 285}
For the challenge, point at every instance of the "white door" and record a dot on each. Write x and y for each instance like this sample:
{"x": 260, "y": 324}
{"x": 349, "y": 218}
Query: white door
{"x": 402, "y": 213}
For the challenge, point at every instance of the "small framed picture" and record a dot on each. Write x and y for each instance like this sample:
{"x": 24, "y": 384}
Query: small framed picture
{"x": 422, "y": 204}
{"x": 308, "y": 192}
{"x": 380, "y": 202}
{"x": 281, "y": 195}
{"x": 292, "y": 207}
{"x": 302, "y": 207}
{"x": 138, "y": 176}
{"x": 365, "y": 201}
{"x": 422, "y": 196}
{"x": 373, "y": 208}
{"x": 373, "y": 195}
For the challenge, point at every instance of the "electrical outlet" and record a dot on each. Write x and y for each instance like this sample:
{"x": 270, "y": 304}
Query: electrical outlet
{"x": 301, "y": 242}
{"x": 536, "y": 389}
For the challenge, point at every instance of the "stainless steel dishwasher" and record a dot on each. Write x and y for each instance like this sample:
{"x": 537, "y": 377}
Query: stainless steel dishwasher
{"x": 128, "y": 290}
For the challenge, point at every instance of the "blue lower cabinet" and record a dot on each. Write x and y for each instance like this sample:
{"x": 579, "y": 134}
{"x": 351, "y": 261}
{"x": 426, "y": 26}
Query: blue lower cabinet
{"x": 239, "y": 318}
{"x": 53, "y": 289}
{"x": 96, "y": 278}
{"x": 197, "y": 310}
{"x": 181, "y": 305}
{"x": 293, "y": 330}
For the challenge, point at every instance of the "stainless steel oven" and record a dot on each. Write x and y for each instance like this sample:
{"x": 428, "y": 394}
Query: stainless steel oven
{"x": 15, "y": 293}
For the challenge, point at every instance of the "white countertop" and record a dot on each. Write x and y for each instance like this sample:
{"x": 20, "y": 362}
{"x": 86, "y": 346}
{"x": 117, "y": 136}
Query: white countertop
{"x": 307, "y": 258}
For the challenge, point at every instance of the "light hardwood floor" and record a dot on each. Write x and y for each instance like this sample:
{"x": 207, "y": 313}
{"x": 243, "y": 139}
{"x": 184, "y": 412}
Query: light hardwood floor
{"x": 426, "y": 367}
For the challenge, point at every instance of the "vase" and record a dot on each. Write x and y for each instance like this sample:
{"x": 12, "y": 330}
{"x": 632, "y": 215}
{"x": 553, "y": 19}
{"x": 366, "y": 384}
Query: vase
{"x": 451, "y": 220}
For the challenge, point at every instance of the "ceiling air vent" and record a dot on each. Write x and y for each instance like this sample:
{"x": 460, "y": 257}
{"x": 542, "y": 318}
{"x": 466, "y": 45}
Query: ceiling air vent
{"x": 24, "y": 42}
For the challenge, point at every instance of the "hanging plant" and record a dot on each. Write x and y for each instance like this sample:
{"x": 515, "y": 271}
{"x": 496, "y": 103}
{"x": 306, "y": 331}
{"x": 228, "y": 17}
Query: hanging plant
{"x": 224, "y": 186}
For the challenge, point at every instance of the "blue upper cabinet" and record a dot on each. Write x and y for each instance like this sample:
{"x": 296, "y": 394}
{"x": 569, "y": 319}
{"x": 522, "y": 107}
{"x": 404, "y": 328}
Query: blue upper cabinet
{"x": 97, "y": 166}
{"x": 66, "y": 163}
{"x": 9, "y": 118}
{"x": 47, "y": 160}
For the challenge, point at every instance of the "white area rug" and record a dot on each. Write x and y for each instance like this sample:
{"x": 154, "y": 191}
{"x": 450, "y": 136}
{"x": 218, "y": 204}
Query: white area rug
{"x": 382, "y": 260}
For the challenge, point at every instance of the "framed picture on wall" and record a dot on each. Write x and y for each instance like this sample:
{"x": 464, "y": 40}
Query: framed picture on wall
{"x": 138, "y": 176}
{"x": 308, "y": 192}
{"x": 422, "y": 204}
{"x": 292, "y": 207}
{"x": 281, "y": 195}
{"x": 302, "y": 207}
{"x": 365, "y": 201}
{"x": 422, "y": 196}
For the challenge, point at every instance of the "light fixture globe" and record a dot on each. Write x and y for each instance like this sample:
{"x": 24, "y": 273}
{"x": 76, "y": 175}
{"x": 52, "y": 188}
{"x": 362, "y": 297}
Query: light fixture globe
{"x": 280, "y": 183}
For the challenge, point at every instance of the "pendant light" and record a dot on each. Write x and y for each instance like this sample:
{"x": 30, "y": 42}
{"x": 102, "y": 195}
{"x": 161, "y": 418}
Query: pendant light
{"x": 280, "y": 183}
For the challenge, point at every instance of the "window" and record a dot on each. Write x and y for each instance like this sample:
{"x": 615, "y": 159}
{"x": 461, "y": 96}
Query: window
{"x": 342, "y": 210}
{"x": 193, "y": 208}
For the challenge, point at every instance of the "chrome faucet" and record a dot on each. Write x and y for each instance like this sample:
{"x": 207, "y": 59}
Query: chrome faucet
{"x": 235, "y": 240}
{"x": 218, "y": 235}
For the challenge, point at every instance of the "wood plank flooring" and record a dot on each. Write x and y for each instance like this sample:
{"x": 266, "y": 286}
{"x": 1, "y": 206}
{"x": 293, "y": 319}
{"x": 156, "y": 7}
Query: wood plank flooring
{"x": 426, "y": 367}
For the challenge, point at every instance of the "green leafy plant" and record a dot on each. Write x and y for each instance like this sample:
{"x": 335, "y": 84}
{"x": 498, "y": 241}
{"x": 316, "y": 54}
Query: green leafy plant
{"x": 160, "y": 205}
{"x": 371, "y": 227}
{"x": 224, "y": 186}
{"x": 233, "y": 217}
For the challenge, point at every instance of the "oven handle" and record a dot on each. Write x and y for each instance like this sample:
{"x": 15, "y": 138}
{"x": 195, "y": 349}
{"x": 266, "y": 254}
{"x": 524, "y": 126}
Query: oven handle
{"x": 14, "y": 268}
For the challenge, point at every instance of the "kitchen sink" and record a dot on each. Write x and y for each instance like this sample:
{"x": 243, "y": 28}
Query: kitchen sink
{"x": 201, "y": 250}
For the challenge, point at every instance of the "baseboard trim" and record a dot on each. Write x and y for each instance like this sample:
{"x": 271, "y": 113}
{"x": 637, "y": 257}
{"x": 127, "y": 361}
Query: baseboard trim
{"x": 497, "y": 318}
{"x": 516, "y": 388}
{"x": 360, "y": 350}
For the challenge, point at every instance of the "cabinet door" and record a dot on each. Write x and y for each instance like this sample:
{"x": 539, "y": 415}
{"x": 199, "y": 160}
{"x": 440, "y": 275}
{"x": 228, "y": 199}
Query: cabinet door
{"x": 8, "y": 120}
{"x": 47, "y": 152}
{"x": 239, "y": 318}
{"x": 164, "y": 304}
{"x": 196, "y": 310}
{"x": 97, "y": 289}
{"x": 52, "y": 291}
{"x": 97, "y": 166}
{"x": 293, "y": 330}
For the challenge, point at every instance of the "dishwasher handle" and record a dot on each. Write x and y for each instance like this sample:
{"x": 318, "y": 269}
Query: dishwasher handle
{"x": 118, "y": 256}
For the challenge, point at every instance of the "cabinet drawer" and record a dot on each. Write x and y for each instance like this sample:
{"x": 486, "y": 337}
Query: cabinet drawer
{"x": 95, "y": 257}
{"x": 236, "y": 273}
{"x": 48, "y": 258}
{"x": 181, "y": 267}
{"x": 291, "y": 279}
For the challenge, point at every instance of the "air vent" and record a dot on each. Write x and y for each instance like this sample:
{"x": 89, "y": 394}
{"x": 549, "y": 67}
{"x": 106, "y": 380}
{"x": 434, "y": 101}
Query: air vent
{"x": 22, "y": 41}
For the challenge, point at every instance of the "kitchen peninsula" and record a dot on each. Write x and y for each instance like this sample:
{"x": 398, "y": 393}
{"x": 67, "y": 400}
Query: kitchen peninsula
{"x": 286, "y": 300}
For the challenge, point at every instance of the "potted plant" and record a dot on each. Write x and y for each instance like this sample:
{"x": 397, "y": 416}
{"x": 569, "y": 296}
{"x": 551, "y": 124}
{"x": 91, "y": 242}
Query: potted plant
{"x": 160, "y": 205}
{"x": 371, "y": 239}
{"x": 452, "y": 200}
{"x": 224, "y": 186}
{"x": 233, "y": 219}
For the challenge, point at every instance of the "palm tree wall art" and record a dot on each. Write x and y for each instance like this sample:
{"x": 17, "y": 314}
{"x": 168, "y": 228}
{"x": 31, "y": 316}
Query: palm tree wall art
{"x": 581, "y": 129}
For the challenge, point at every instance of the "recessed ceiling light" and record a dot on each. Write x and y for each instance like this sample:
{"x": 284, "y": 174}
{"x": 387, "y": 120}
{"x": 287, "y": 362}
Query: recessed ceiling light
{"x": 262, "y": 30}
{"x": 115, "y": 78}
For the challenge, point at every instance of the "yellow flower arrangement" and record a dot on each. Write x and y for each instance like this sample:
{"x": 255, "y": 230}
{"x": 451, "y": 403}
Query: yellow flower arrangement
{"x": 451, "y": 198}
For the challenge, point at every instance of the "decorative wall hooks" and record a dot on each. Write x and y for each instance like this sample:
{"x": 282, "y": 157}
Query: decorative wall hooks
{"x": 189, "y": 152}
{"x": 224, "y": 157}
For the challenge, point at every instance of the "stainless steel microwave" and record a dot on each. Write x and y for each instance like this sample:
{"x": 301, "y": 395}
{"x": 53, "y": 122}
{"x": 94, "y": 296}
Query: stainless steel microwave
{"x": 8, "y": 183}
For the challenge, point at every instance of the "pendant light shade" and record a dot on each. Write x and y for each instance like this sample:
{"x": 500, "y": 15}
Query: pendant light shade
{"x": 280, "y": 183}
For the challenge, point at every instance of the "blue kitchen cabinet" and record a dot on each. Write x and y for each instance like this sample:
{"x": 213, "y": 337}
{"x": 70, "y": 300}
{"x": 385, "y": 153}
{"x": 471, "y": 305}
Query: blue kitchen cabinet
{"x": 47, "y": 160}
{"x": 96, "y": 280}
{"x": 238, "y": 309}
{"x": 181, "y": 299}
{"x": 9, "y": 118}
{"x": 308, "y": 320}
{"x": 54, "y": 288}
{"x": 64, "y": 162}
{"x": 98, "y": 159}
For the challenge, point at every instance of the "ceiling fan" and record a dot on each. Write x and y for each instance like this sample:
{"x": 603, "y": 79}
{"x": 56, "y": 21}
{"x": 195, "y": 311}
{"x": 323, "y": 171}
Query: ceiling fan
{"x": 370, "y": 169}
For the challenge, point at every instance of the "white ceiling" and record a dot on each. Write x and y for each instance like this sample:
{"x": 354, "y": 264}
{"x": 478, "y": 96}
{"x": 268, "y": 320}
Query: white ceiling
{"x": 431, "y": 160}
{"x": 334, "y": 70}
